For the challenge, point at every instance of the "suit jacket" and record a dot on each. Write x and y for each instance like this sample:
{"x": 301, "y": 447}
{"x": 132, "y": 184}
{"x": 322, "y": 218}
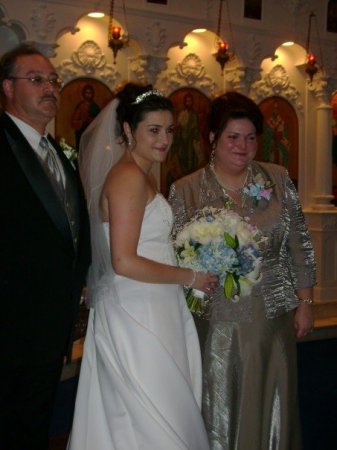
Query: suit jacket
{"x": 42, "y": 269}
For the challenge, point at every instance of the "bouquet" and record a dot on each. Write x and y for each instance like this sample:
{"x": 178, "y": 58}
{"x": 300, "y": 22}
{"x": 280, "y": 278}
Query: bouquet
{"x": 224, "y": 243}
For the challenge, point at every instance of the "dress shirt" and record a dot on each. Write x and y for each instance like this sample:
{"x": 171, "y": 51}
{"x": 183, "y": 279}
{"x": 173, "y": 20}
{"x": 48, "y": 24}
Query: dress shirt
{"x": 33, "y": 137}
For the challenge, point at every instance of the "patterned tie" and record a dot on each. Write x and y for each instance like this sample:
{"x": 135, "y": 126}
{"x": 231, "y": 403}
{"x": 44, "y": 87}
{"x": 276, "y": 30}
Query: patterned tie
{"x": 50, "y": 163}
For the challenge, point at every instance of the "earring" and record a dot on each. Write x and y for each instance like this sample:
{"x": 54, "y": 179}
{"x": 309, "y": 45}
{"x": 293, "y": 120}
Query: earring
{"x": 131, "y": 142}
{"x": 212, "y": 158}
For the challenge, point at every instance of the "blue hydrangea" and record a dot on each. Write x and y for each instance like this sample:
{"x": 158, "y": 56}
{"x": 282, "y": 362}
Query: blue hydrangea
{"x": 218, "y": 258}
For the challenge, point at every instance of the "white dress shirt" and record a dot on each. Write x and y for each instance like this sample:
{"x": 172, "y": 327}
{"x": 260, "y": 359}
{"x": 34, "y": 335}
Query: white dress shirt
{"x": 33, "y": 137}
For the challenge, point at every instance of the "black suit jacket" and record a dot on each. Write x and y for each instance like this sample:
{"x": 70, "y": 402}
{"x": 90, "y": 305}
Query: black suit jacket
{"x": 42, "y": 272}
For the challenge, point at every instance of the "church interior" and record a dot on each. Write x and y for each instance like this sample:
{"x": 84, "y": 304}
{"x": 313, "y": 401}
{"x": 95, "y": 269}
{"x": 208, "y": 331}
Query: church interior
{"x": 281, "y": 54}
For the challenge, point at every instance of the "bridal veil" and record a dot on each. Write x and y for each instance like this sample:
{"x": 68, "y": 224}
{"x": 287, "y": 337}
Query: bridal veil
{"x": 99, "y": 151}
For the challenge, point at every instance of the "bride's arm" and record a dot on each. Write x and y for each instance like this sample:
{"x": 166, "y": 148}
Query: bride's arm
{"x": 124, "y": 199}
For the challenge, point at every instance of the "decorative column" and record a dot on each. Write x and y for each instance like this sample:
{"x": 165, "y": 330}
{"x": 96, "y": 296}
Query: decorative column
{"x": 323, "y": 167}
{"x": 322, "y": 216}
{"x": 323, "y": 229}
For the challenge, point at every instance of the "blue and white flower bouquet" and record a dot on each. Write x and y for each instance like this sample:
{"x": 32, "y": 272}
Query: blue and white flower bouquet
{"x": 224, "y": 243}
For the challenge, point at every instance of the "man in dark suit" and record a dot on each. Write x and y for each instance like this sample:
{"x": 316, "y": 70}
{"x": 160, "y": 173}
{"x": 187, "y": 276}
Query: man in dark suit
{"x": 44, "y": 250}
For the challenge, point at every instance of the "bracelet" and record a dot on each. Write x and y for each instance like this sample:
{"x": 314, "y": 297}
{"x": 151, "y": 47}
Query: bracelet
{"x": 188, "y": 286}
{"x": 308, "y": 301}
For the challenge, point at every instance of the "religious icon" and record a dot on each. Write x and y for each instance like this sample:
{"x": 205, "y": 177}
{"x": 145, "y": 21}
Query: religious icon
{"x": 85, "y": 112}
{"x": 89, "y": 96}
{"x": 190, "y": 147}
{"x": 279, "y": 143}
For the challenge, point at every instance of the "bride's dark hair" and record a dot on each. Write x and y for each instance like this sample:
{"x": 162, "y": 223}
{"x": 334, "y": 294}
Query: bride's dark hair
{"x": 135, "y": 101}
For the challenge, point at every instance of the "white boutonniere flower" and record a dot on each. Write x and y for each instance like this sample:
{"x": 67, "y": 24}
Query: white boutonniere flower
{"x": 69, "y": 151}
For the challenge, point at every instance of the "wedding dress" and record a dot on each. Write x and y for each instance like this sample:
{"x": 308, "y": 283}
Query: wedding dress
{"x": 140, "y": 381}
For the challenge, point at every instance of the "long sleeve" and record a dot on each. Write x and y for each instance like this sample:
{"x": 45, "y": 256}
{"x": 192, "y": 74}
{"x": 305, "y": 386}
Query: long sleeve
{"x": 299, "y": 243}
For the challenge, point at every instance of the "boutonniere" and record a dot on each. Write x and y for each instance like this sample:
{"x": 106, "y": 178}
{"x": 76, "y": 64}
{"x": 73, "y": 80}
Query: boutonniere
{"x": 259, "y": 188}
{"x": 68, "y": 150}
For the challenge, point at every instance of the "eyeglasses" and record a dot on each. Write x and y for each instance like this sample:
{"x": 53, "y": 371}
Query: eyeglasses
{"x": 38, "y": 81}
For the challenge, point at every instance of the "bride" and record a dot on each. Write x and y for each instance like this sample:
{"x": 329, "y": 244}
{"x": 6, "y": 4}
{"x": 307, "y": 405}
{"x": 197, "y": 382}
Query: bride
{"x": 140, "y": 380}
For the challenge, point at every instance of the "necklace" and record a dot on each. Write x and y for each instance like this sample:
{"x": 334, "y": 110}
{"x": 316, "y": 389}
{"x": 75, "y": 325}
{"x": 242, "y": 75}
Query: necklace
{"x": 226, "y": 187}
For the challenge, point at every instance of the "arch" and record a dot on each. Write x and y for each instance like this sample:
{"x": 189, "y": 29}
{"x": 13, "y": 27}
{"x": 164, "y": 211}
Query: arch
{"x": 87, "y": 54}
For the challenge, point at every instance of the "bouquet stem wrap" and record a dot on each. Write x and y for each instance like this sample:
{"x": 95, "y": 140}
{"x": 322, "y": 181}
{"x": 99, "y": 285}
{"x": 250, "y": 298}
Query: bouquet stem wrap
{"x": 196, "y": 301}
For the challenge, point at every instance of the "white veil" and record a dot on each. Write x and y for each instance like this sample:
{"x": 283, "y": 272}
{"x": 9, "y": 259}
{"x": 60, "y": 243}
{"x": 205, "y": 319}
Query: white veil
{"x": 99, "y": 151}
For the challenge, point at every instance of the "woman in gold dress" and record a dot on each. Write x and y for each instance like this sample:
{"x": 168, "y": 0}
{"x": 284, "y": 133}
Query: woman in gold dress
{"x": 250, "y": 377}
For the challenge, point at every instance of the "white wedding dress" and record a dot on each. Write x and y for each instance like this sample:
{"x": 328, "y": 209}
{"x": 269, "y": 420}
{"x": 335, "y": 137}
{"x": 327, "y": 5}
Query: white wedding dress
{"x": 140, "y": 381}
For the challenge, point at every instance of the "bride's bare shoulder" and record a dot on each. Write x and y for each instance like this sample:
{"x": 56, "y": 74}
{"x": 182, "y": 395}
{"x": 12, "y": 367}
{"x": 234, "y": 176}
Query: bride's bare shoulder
{"x": 123, "y": 176}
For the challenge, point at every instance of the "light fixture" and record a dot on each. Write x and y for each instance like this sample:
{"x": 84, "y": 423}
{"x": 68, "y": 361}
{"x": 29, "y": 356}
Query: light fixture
{"x": 222, "y": 55}
{"x": 96, "y": 12}
{"x": 199, "y": 30}
{"x": 311, "y": 67}
{"x": 116, "y": 41}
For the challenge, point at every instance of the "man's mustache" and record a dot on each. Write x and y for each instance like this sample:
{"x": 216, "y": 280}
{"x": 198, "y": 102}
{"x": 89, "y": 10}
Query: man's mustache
{"x": 49, "y": 97}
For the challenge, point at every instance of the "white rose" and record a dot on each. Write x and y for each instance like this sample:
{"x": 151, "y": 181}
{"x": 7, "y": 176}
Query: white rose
{"x": 244, "y": 234}
{"x": 182, "y": 237}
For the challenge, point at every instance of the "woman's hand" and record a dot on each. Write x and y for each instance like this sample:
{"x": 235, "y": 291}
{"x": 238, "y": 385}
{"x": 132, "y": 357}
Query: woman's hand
{"x": 205, "y": 282}
{"x": 303, "y": 320}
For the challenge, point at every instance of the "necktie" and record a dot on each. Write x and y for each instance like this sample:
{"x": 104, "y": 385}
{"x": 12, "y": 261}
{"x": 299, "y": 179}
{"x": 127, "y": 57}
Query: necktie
{"x": 50, "y": 163}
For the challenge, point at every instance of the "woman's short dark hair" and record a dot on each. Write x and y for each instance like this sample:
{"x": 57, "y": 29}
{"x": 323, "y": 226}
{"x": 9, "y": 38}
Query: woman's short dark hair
{"x": 135, "y": 101}
{"x": 233, "y": 105}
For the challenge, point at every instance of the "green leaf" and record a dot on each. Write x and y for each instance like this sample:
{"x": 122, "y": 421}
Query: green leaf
{"x": 229, "y": 285}
{"x": 230, "y": 241}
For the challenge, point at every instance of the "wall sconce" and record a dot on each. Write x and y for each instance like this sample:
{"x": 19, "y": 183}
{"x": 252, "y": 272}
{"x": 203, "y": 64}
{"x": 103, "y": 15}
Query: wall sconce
{"x": 311, "y": 67}
{"x": 116, "y": 41}
{"x": 222, "y": 55}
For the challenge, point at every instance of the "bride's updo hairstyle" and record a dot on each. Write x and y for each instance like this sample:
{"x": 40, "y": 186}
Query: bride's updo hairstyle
{"x": 233, "y": 105}
{"x": 135, "y": 101}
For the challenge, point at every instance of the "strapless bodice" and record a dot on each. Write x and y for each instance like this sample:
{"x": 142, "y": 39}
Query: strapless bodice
{"x": 155, "y": 235}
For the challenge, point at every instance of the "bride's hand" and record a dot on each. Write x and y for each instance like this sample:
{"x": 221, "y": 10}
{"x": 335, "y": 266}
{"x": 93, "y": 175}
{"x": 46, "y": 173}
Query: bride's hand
{"x": 205, "y": 282}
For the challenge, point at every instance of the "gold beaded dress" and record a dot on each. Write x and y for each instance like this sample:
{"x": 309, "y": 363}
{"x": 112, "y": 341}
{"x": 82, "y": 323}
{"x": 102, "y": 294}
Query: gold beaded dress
{"x": 249, "y": 358}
